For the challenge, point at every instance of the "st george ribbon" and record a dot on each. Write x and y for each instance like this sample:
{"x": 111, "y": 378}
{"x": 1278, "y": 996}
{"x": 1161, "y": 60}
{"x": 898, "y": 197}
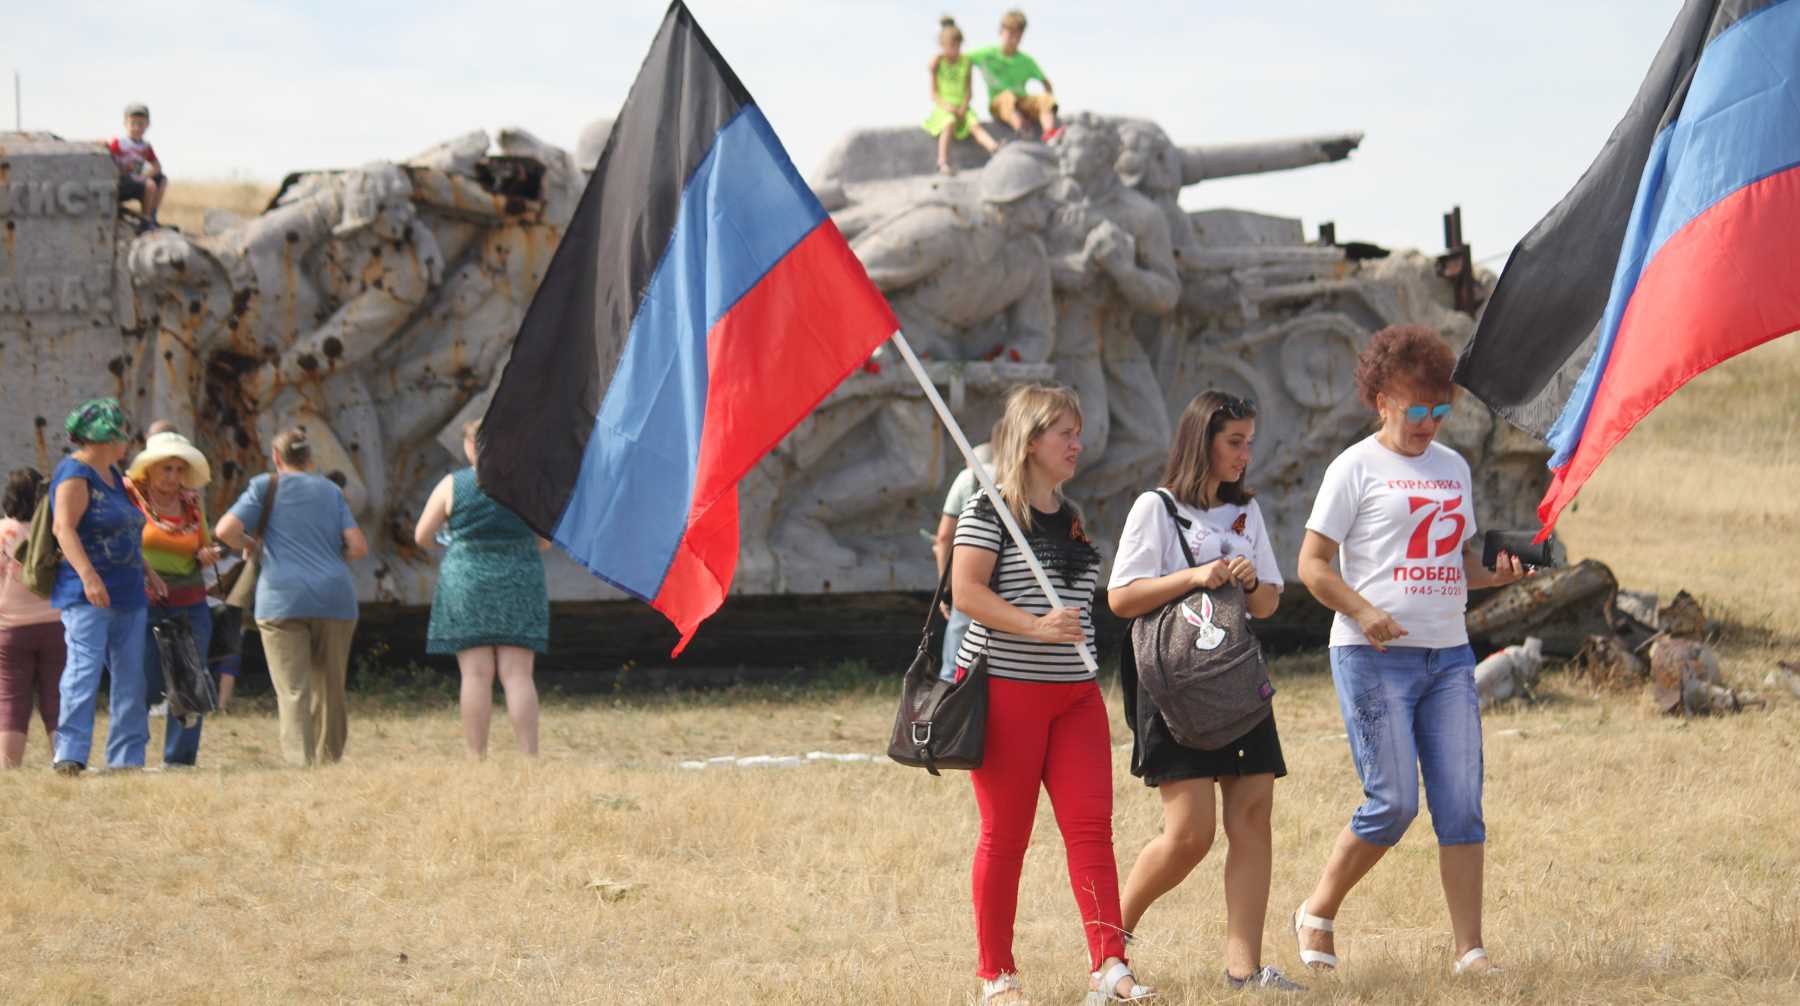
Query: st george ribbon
{"x": 700, "y": 305}
{"x": 1677, "y": 250}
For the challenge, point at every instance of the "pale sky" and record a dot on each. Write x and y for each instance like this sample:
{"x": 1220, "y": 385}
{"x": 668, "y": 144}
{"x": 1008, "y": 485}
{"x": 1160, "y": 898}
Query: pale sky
{"x": 1496, "y": 106}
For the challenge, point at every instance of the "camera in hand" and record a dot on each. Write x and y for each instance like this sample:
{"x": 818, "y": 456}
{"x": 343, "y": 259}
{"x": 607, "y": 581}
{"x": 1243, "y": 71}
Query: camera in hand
{"x": 1532, "y": 555}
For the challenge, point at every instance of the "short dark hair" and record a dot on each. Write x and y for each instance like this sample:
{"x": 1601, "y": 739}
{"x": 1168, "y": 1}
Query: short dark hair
{"x": 1414, "y": 355}
{"x": 1190, "y": 454}
{"x": 22, "y": 488}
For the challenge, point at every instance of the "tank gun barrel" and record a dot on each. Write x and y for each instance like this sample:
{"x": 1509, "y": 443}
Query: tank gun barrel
{"x": 1224, "y": 160}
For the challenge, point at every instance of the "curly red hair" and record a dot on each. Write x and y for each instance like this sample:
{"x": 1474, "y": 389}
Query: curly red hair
{"x": 1413, "y": 356}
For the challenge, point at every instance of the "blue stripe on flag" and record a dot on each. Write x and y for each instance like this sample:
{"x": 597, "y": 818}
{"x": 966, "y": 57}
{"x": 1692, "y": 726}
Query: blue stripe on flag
{"x": 1739, "y": 124}
{"x": 743, "y": 210}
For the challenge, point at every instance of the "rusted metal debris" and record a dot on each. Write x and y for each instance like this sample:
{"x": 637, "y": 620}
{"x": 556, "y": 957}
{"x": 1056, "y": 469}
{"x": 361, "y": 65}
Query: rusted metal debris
{"x": 1607, "y": 663}
{"x": 1510, "y": 673}
{"x": 1785, "y": 675}
{"x": 1619, "y": 640}
{"x": 1562, "y": 607}
{"x": 1685, "y": 680}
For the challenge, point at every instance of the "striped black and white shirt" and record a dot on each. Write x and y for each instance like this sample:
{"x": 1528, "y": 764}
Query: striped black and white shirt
{"x": 1073, "y": 565}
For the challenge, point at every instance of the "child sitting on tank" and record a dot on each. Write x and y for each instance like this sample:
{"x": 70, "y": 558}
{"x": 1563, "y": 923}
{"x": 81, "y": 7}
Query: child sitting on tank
{"x": 951, "y": 90}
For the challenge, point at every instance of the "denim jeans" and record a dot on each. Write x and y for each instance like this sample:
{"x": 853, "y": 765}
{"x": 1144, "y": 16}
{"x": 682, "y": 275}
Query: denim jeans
{"x": 1410, "y": 711}
{"x": 181, "y": 745}
{"x": 109, "y": 639}
{"x": 954, "y": 631}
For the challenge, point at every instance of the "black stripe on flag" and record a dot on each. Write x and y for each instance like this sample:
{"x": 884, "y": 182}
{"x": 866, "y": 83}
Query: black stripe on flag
{"x": 1539, "y": 328}
{"x": 537, "y": 426}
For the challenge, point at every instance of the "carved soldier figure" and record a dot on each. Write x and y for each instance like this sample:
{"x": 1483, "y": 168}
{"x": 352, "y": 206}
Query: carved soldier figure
{"x": 966, "y": 282}
{"x": 973, "y": 282}
{"x": 1112, "y": 260}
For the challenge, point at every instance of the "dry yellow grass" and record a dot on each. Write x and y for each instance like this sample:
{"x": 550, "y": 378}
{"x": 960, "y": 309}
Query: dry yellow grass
{"x": 188, "y": 201}
{"x": 1633, "y": 859}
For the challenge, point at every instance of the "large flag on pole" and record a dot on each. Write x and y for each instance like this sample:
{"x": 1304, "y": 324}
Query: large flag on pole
{"x": 700, "y": 305}
{"x": 1678, "y": 249}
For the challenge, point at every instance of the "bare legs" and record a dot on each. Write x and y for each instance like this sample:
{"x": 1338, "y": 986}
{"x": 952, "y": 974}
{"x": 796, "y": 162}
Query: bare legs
{"x": 1249, "y": 859}
{"x": 521, "y": 695}
{"x": 1187, "y": 836}
{"x": 981, "y": 135}
{"x": 1459, "y": 867}
{"x": 1167, "y": 859}
{"x": 12, "y": 749}
{"x": 513, "y": 665}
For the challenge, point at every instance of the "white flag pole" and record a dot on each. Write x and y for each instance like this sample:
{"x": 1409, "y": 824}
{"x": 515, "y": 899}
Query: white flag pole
{"x": 987, "y": 484}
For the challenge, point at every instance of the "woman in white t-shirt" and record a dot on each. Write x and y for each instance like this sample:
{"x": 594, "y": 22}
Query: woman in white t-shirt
{"x": 1225, "y": 532}
{"x": 1396, "y": 511}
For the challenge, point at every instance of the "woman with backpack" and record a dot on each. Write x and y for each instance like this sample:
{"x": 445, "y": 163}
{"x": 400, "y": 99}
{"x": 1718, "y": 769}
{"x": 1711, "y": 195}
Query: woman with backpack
{"x": 1396, "y": 512}
{"x": 1202, "y": 529}
{"x": 31, "y": 632}
{"x": 1046, "y": 721}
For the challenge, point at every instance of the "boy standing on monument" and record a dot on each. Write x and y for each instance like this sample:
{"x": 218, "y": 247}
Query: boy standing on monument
{"x": 1007, "y": 71}
{"x": 140, "y": 173}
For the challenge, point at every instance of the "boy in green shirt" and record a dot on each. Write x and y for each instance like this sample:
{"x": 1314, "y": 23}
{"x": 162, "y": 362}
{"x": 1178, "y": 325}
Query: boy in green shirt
{"x": 1006, "y": 71}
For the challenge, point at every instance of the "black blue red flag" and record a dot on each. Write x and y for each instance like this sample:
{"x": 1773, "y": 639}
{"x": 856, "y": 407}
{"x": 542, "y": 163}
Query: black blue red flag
{"x": 699, "y": 306}
{"x": 1677, "y": 250}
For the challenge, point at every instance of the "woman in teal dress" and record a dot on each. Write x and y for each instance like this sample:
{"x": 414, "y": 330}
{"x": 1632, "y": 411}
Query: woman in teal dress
{"x": 490, "y": 607}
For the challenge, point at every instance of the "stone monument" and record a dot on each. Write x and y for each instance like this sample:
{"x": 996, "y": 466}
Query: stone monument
{"x": 376, "y": 306}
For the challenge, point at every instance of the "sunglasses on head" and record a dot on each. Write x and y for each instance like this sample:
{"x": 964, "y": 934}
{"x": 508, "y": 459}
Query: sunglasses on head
{"x": 1237, "y": 408}
{"x": 1418, "y": 413}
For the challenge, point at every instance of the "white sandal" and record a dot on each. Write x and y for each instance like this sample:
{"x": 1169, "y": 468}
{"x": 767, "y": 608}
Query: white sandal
{"x": 1467, "y": 961}
{"x": 1006, "y": 984}
{"x": 1311, "y": 957}
{"x": 1105, "y": 988}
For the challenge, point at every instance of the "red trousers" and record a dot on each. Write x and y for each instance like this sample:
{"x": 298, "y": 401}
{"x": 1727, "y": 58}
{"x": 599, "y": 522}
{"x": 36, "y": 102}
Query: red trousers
{"x": 1054, "y": 736}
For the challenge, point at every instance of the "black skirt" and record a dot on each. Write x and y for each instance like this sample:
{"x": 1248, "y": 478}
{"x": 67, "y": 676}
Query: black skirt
{"x": 1157, "y": 758}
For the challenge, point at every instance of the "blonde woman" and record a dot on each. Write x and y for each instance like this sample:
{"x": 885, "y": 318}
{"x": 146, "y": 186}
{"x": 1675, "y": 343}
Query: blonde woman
{"x": 1046, "y": 724}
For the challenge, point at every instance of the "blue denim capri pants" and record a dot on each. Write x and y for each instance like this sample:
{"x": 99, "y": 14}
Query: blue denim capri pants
{"x": 1412, "y": 711}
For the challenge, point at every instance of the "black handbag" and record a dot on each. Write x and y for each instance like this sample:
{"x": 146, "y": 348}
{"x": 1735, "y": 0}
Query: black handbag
{"x": 189, "y": 685}
{"x": 940, "y": 724}
{"x": 1198, "y": 661}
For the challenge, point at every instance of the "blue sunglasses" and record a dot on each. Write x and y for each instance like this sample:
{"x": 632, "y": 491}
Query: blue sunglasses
{"x": 1417, "y": 413}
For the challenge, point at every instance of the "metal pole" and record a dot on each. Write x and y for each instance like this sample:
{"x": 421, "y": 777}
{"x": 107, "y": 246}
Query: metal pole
{"x": 18, "y": 106}
{"x": 987, "y": 484}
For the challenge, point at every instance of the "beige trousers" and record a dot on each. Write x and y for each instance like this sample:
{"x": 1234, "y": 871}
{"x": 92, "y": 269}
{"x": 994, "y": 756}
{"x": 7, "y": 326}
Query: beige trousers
{"x": 308, "y": 659}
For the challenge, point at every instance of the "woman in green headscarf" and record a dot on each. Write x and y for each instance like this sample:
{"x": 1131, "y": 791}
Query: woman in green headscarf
{"x": 102, "y": 589}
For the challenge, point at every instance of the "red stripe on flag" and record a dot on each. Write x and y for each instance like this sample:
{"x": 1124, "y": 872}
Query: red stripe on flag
{"x": 1721, "y": 285}
{"x": 810, "y": 322}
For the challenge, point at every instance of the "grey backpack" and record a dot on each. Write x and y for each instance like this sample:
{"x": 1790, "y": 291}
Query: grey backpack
{"x": 1199, "y": 662}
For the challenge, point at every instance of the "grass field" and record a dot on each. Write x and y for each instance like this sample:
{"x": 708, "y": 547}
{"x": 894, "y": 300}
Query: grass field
{"x": 188, "y": 201}
{"x": 1632, "y": 859}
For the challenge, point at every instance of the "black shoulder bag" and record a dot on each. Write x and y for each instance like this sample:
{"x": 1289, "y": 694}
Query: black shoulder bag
{"x": 941, "y": 724}
{"x": 1199, "y": 662}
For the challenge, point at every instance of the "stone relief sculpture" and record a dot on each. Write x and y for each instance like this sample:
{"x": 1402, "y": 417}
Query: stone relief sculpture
{"x": 376, "y": 306}
{"x": 1114, "y": 262}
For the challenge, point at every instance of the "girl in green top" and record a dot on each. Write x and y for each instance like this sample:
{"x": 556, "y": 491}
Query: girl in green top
{"x": 950, "y": 94}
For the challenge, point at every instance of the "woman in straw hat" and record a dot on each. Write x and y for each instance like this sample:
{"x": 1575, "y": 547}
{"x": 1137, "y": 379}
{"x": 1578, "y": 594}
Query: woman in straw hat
{"x": 169, "y": 474}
